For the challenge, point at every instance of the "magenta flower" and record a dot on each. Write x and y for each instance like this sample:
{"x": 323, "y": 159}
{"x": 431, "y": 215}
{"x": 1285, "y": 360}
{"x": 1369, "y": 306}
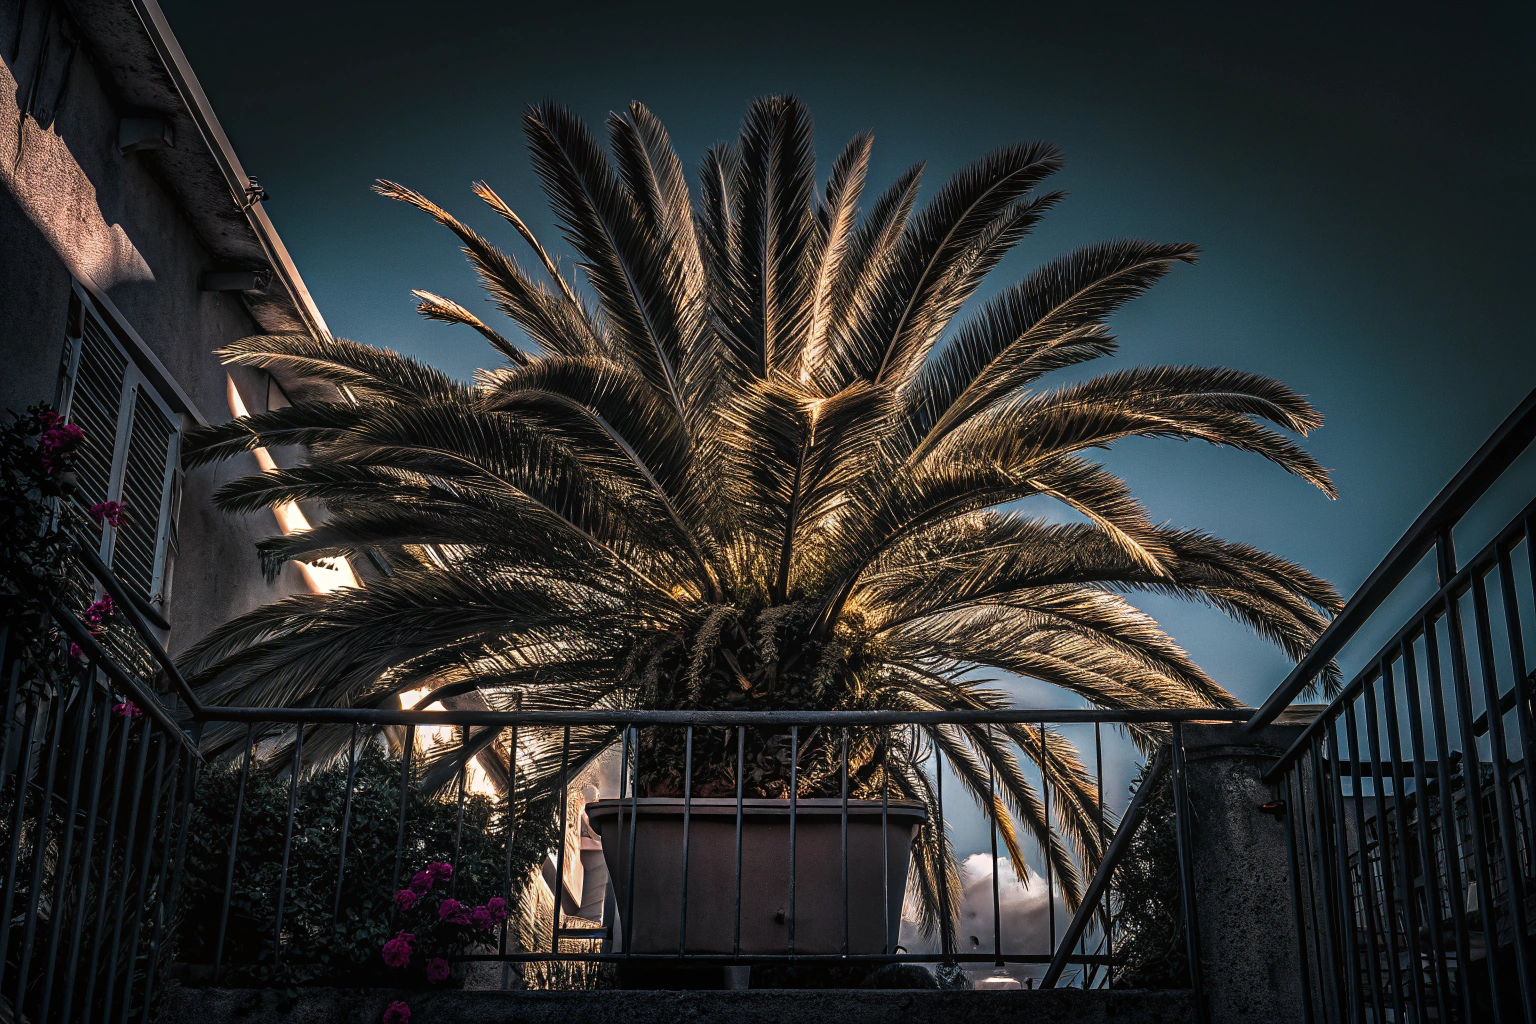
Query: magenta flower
{"x": 397, "y": 1012}
{"x": 405, "y": 899}
{"x": 109, "y": 512}
{"x": 397, "y": 952}
{"x": 98, "y": 612}
{"x": 482, "y": 919}
{"x": 437, "y": 970}
{"x": 57, "y": 441}
{"x": 453, "y": 912}
{"x": 498, "y": 907}
{"x": 440, "y": 870}
{"x": 421, "y": 882}
{"x": 48, "y": 419}
{"x": 76, "y": 653}
{"x": 126, "y": 709}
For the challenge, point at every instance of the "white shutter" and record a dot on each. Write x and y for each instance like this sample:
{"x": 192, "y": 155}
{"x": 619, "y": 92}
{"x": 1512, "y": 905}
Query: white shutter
{"x": 95, "y": 405}
{"x": 131, "y": 450}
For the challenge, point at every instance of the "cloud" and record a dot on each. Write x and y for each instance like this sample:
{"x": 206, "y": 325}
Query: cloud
{"x": 1024, "y": 915}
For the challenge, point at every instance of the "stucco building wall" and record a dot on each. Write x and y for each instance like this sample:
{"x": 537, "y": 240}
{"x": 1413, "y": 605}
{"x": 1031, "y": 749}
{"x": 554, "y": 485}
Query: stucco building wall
{"x": 73, "y": 207}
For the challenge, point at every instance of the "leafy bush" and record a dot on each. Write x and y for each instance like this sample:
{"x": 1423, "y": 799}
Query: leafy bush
{"x": 1149, "y": 923}
{"x": 324, "y": 941}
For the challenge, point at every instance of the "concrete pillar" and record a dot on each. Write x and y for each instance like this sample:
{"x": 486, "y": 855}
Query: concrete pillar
{"x": 1248, "y": 950}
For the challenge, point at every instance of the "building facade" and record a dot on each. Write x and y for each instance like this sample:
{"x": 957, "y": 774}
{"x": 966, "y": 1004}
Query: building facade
{"x": 133, "y": 245}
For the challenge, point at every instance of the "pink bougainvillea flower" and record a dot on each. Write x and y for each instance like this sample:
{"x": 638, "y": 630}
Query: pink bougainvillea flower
{"x": 405, "y": 899}
{"x": 99, "y": 610}
{"x": 482, "y": 919}
{"x": 397, "y": 951}
{"x": 397, "y": 1012}
{"x": 126, "y": 709}
{"x": 437, "y": 970}
{"x": 76, "y": 653}
{"x": 48, "y": 419}
{"x": 453, "y": 911}
{"x": 498, "y": 907}
{"x": 109, "y": 512}
{"x": 440, "y": 869}
{"x": 421, "y": 882}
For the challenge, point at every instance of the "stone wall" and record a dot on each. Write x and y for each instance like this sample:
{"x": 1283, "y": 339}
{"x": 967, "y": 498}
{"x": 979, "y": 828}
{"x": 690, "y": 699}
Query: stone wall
{"x": 803, "y": 1006}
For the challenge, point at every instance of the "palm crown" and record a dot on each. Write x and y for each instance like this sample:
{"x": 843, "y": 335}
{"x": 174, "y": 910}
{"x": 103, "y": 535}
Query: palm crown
{"x": 752, "y": 464}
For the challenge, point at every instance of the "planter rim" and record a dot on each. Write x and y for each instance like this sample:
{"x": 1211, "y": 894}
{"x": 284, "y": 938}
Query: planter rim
{"x": 758, "y": 807}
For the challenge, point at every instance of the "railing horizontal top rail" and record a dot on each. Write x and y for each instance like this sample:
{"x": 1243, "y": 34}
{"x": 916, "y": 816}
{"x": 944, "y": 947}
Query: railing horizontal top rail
{"x": 1453, "y": 589}
{"x": 1009, "y": 716}
{"x": 1490, "y": 461}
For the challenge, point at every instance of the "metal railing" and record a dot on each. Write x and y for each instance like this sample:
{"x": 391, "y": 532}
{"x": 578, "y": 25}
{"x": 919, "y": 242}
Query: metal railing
{"x": 1408, "y": 802}
{"x": 95, "y": 787}
{"x": 715, "y": 917}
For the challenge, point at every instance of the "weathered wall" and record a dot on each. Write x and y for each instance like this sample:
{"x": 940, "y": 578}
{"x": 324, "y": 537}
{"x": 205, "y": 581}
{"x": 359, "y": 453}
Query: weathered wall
{"x": 72, "y": 204}
{"x": 806, "y": 1006}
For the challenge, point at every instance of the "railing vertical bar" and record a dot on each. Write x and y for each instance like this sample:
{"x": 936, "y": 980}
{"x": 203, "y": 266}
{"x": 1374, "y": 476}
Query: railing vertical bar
{"x": 1294, "y": 815}
{"x": 843, "y": 835}
{"x": 885, "y": 836}
{"x": 1050, "y": 873}
{"x": 1305, "y": 813}
{"x": 506, "y": 870}
{"x": 682, "y": 920}
{"x": 997, "y": 902}
{"x": 458, "y": 821}
{"x": 1339, "y": 842}
{"x": 346, "y": 828}
{"x": 56, "y": 711}
{"x": 1427, "y": 867}
{"x": 114, "y": 948}
{"x": 1384, "y": 854}
{"x": 405, "y": 799}
{"x": 1450, "y": 837}
{"x": 10, "y": 718}
{"x": 144, "y": 862}
{"x": 164, "y": 899}
{"x": 18, "y": 817}
{"x": 565, "y": 801}
{"x": 234, "y": 843}
{"x": 103, "y": 901}
{"x": 82, "y": 883}
{"x": 942, "y": 847}
{"x": 1514, "y": 872}
{"x": 634, "y": 820}
{"x": 282, "y": 884}
{"x": 1185, "y": 840}
{"x": 1106, "y": 903}
{"x": 1330, "y": 970}
{"x": 794, "y": 808}
{"x": 1399, "y": 803}
{"x": 57, "y": 915}
{"x": 741, "y": 746}
{"x": 1516, "y": 640}
{"x": 1472, "y": 778}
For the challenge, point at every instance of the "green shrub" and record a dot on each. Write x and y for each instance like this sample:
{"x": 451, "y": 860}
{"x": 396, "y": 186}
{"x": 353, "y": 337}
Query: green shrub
{"x": 1149, "y": 922}
{"x": 320, "y": 945}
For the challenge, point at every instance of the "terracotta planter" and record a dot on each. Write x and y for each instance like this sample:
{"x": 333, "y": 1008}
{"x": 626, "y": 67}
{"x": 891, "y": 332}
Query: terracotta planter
{"x": 765, "y": 905}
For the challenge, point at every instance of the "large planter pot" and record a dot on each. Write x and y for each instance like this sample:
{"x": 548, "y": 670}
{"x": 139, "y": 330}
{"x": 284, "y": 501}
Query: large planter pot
{"x": 765, "y": 897}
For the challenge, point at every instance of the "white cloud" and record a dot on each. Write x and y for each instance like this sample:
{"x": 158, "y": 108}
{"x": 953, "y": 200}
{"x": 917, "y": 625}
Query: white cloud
{"x": 1025, "y": 918}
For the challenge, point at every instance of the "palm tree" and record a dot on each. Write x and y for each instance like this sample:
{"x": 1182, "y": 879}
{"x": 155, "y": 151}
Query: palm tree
{"x": 752, "y": 464}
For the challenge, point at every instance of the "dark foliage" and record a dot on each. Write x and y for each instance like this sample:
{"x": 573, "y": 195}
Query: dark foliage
{"x": 1149, "y": 929}
{"x": 318, "y": 944}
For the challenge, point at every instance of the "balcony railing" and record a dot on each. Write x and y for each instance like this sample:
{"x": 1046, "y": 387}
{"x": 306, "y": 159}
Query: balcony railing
{"x": 100, "y": 778}
{"x": 1409, "y": 804}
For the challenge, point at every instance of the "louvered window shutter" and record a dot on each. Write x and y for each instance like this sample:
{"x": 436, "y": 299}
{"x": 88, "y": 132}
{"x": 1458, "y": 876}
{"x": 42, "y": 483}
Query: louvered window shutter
{"x": 130, "y": 455}
{"x": 96, "y": 407}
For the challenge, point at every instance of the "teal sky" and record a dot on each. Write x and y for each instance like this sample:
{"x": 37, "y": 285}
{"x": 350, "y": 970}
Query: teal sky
{"x": 1361, "y": 182}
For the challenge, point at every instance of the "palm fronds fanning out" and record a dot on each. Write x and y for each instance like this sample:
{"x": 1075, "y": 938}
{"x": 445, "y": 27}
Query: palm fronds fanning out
{"x": 757, "y": 448}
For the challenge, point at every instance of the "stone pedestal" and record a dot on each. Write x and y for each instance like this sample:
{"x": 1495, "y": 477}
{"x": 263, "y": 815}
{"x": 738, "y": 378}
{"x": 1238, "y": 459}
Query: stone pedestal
{"x": 1248, "y": 949}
